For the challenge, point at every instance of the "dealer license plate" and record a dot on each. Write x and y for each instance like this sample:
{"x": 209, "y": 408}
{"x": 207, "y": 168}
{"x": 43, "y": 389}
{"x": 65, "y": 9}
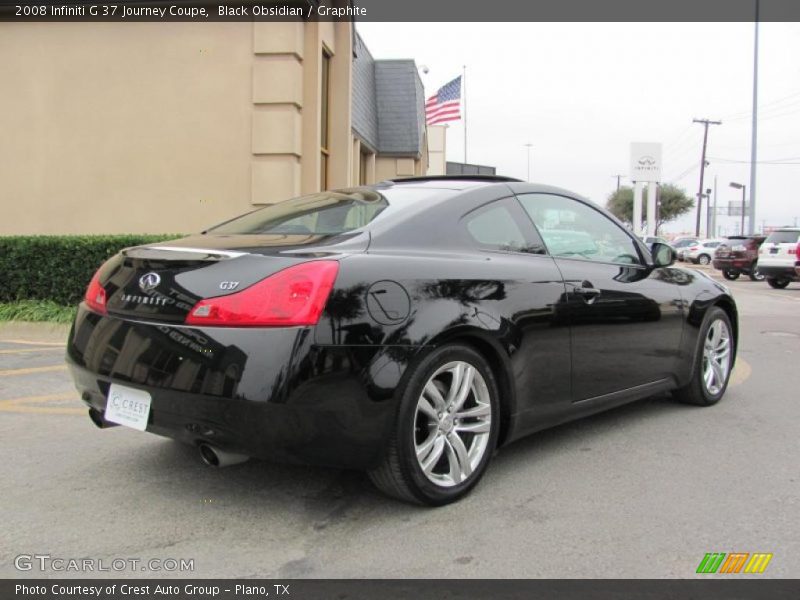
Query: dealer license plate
{"x": 127, "y": 406}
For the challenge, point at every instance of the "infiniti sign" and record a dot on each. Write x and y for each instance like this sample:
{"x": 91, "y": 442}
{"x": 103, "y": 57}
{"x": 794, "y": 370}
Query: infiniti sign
{"x": 149, "y": 281}
{"x": 645, "y": 162}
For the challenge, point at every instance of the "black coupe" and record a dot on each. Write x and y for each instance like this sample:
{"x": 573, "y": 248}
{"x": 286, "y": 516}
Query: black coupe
{"x": 407, "y": 328}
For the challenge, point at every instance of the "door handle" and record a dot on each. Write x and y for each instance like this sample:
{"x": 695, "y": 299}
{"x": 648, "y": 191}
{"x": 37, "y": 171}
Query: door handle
{"x": 586, "y": 291}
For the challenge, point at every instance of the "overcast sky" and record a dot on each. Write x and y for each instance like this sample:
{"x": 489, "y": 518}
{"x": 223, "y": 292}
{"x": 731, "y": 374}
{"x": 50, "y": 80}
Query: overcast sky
{"x": 581, "y": 92}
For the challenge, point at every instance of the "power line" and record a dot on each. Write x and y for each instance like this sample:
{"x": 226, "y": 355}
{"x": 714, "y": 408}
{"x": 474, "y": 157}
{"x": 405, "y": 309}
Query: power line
{"x": 777, "y": 161}
{"x": 674, "y": 141}
{"x": 771, "y": 105}
{"x": 683, "y": 174}
{"x": 776, "y": 113}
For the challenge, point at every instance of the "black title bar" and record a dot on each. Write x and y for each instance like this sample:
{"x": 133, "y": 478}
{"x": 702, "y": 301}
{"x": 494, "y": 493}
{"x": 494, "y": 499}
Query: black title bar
{"x": 407, "y": 10}
{"x": 712, "y": 588}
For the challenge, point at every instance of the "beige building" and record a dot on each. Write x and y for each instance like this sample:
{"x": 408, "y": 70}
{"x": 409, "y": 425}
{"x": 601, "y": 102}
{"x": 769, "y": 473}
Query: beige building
{"x": 173, "y": 127}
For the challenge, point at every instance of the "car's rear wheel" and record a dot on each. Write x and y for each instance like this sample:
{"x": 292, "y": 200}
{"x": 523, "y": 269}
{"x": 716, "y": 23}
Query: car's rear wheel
{"x": 446, "y": 429}
{"x": 704, "y": 259}
{"x": 730, "y": 275}
{"x": 713, "y": 361}
{"x": 778, "y": 284}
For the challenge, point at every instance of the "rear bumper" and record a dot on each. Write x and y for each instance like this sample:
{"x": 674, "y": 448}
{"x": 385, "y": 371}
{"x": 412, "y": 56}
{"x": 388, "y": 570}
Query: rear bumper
{"x": 268, "y": 393}
{"x": 779, "y": 272}
{"x": 733, "y": 264}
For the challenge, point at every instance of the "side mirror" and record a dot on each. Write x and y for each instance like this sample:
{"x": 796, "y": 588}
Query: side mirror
{"x": 663, "y": 255}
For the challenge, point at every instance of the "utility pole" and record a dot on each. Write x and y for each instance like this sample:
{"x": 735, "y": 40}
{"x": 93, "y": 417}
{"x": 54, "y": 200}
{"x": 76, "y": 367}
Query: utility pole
{"x": 754, "y": 132}
{"x": 464, "y": 106}
{"x": 705, "y": 123}
{"x": 619, "y": 177}
{"x": 714, "y": 212}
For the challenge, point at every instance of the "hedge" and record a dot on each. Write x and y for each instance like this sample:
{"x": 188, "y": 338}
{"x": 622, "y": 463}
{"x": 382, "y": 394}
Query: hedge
{"x": 58, "y": 268}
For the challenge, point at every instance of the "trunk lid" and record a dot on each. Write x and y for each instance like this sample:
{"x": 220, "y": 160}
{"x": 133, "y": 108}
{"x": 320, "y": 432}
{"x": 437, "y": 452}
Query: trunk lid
{"x": 162, "y": 282}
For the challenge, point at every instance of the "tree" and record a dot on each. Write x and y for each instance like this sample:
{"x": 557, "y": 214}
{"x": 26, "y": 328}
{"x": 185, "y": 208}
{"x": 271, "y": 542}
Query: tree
{"x": 672, "y": 203}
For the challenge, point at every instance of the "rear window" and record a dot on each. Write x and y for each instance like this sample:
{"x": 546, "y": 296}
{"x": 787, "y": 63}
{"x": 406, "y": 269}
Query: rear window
{"x": 783, "y": 237}
{"x": 327, "y": 213}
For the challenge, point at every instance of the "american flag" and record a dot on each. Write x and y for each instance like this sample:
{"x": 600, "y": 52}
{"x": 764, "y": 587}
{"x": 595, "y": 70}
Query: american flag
{"x": 444, "y": 105}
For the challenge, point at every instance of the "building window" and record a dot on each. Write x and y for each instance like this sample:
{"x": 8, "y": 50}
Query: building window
{"x": 324, "y": 119}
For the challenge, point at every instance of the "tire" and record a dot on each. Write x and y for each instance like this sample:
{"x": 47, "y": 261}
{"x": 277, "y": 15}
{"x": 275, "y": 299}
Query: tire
{"x": 418, "y": 429}
{"x": 698, "y": 391}
{"x": 704, "y": 259}
{"x": 778, "y": 284}
{"x": 755, "y": 275}
{"x": 731, "y": 275}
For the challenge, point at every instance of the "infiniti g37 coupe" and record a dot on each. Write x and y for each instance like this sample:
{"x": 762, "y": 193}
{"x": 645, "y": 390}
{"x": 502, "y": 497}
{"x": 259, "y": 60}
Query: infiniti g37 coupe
{"x": 407, "y": 328}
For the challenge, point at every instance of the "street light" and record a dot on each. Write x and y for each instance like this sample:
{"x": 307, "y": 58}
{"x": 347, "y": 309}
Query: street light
{"x": 529, "y": 146}
{"x": 740, "y": 186}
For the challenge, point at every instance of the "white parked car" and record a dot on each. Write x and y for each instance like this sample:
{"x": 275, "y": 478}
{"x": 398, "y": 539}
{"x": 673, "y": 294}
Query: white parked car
{"x": 679, "y": 245}
{"x": 779, "y": 257}
{"x": 702, "y": 252}
{"x": 650, "y": 240}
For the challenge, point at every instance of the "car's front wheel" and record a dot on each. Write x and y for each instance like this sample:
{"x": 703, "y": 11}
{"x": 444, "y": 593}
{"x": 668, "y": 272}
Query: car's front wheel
{"x": 704, "y": 259}
{"x": 713, "y": 361}
{"x": 730, "y": 275}
{"x": 755, "y": 274}
{"x": 778, "y": 284}
{"x": 446, "y": 429}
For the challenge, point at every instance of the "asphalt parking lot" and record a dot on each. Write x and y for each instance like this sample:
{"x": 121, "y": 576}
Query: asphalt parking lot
{"x": 642, "y": 491}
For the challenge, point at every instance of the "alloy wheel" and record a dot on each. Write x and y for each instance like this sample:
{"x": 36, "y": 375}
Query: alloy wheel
{"x": 716, "y": 357}
{"x": 452, "y": 423}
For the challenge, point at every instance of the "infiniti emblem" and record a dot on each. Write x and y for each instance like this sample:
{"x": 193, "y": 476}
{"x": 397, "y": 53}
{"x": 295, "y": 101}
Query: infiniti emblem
{"x": 149, "y": 281}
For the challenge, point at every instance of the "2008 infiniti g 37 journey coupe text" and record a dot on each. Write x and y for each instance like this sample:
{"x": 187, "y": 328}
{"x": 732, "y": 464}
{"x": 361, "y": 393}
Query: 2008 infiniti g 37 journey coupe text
{"x": 406, "y": 328}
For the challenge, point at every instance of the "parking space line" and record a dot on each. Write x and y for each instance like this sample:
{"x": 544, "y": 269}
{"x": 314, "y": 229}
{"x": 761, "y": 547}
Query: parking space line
{"x": 24, "y": 405}
{"x": 27, "y": 350}
{"x": 32, "y": 343}
{"x": 28, "y": 371}
{"x": 741, "y": 372}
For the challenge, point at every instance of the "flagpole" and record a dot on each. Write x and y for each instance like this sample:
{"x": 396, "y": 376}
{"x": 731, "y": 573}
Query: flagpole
{"x": 464, "y": 94}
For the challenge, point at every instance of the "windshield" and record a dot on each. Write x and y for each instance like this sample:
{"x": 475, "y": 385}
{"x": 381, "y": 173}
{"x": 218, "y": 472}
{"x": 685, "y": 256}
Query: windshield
{"x": 783, "y": 237}
{"x": 327, "y": 213}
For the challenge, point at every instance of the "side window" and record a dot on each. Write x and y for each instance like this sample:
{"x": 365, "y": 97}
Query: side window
{"x": 496, "y": 227}
{"x": 572, "y": 229}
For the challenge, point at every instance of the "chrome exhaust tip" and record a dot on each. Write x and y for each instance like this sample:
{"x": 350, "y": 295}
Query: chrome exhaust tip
{"x": 214, "y": 457}
{"x": 99, "y": 420}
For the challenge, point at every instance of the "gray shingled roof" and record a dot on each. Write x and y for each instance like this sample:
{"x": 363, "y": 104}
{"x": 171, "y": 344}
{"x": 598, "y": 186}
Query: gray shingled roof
{"x": 388, "y": 103}
{"x": 365, "y": 105}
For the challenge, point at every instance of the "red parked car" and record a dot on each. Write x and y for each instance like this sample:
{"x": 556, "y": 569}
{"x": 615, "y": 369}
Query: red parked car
{"x": 738, "y": 255}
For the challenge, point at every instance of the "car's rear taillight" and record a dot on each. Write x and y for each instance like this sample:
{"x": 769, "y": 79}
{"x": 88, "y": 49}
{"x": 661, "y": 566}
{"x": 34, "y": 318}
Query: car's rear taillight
{"x": 95, "y": 297}
{"x": 693, "y": 248}
{"x": 294, "y": 296}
